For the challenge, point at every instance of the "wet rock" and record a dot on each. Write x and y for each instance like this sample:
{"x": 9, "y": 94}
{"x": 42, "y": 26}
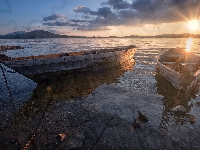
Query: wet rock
{"x": 62, "y": 136}
{"x": 179, "y": 109}
{"x": 76, "y": 148}
{"x": 141, "y": 119}
{"x": 6, "y": 143}
{"x": 64, "y": 54}
{"x": 4, "y": 57}
{"x": 136, "y": 123}
{"x": 75, "y": 142}
{"x": 192, "y": 119}
{"x": 4, "y": 48}
{"x": 55, "y": 143}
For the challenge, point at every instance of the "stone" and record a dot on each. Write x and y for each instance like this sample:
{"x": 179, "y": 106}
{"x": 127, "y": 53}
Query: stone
{"x": 55, "y": 143}
{"x": 6, "y": 143}
{"x": 4, "y": 57}
{"x": 4, "y": 48}
{"x": 179, "y": 109}
{"x": 62, "y": 136}
{"x": 140, "y": 120}
{"x": 192, "y": 119}
{"x": 64, "y": 54}
{"x": 142, "y": 117}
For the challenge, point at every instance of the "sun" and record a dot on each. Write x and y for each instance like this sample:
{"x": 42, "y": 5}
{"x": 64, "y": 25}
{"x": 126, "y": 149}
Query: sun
{"x": 193, "y": 25}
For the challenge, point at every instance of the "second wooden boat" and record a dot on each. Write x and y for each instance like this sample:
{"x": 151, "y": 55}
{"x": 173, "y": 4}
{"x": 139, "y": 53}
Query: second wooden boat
{"x": 180, "y": 68}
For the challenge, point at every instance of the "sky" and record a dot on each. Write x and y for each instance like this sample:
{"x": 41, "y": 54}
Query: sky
{"x": 101, "y": 17}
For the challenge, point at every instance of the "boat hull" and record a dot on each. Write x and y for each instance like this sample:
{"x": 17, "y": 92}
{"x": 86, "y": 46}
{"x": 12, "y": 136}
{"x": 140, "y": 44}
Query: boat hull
{"x": 172, "y": 76}
{"x": 48, "y": 68}
{"x": 178, "y": 67}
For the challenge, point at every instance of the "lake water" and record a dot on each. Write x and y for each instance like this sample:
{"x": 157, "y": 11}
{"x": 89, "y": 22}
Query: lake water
{"x": 120, "y": 93}
{"x": 34, "y": 47}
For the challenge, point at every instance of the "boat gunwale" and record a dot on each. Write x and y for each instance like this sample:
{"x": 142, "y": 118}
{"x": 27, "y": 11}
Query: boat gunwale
{"x": 73, "y": 54}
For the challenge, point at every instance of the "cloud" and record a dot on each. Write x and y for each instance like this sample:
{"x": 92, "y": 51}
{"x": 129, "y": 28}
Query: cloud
{"x": 78, "y": 20}
{"x": 60, "y": 23}
{"x": 58, "y": 31}
{"x": 137, "y": 13}
{"x": 93, "y": 28}
{"x": 117, "y": 4}
{"x": 105, "y": 12}
{"x": 54, "y": 17}
{"x": 101, "y": 12}
{"x": 83, "y": 9}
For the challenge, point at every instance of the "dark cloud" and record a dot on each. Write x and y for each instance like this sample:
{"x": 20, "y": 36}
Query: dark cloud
{"x": 117, "y": 4}
{"x": 85, "y": 10}
{"x": 86, "y": 17}
{"x": 128, "y": 13}
{"x": 54, "y": 17}
{"x": 78, "y": 20}
{"x": 101, "y": 12}
{"x": 105, "y": 12}
{"x": 139, "y": 12}
{"x": 180, "y": 3}
{"x": 60, "y": 23}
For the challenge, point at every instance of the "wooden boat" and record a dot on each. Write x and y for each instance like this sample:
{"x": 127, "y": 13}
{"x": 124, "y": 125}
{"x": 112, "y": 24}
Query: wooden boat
{"x": 40, "y": 68}
{"x": 180, "y": 67}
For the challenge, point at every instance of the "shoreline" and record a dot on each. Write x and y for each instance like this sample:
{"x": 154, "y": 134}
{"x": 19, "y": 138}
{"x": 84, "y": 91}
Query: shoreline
{"x": 6, "y": 47}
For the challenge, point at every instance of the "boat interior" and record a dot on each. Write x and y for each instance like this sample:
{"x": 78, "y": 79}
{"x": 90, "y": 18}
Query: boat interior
{"x": 179, "y": 59}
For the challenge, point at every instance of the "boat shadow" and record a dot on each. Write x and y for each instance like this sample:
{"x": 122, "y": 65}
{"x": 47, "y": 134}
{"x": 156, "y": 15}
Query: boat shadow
{"x": 71, "y": 86}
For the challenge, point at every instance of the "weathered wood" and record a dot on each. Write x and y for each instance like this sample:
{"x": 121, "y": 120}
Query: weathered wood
{"x": 51, "y": 63}
{"x": 177, "y": 74}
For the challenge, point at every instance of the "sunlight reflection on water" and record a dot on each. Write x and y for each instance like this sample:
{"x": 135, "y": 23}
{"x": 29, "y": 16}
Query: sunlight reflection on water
{"x": 52, "y": 46}
{"x": 189, "y": 44}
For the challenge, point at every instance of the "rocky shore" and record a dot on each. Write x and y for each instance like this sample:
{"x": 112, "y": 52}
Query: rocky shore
{"x": 6, "y": 47}
{"x": 75, "y": 126}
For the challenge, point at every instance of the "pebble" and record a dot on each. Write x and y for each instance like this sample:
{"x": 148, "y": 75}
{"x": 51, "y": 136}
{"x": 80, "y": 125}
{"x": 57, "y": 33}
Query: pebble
{"x": 179, "y": 109}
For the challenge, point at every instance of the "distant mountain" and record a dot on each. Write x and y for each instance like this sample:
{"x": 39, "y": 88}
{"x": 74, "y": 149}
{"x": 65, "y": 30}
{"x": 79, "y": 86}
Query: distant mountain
{"x": 36, "y": 34}
{"x": 30, "y": 35}
{"x": 39, "y": 34}
{"x": 15, "y": 33}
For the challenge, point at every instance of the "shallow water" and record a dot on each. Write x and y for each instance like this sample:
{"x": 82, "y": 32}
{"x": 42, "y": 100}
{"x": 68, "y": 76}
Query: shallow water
{"x": 34, "y": 47}
{"x": 120, "y": 93}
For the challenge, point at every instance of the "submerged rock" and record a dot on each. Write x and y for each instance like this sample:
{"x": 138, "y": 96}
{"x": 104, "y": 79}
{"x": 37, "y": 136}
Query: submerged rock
{"x": 191, "y": 119}
{"x": 179, "y": 109}
{"x": 6, "y": 143}
{"x": 141, "y": 119}
{"x": 4, "y": 48}
{"x": 55, "y": 143}
{"x": 4, "y": 57}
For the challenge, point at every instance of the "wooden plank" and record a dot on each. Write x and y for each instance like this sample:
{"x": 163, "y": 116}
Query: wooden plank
{"x": 167, "y": 63}
{"x": 188, "y": 63}
{"x": 174, "y": 55}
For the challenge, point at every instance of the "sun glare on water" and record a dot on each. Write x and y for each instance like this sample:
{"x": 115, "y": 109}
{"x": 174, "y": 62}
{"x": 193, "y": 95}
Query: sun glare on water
{"x": 193, "y": 25}
{"x": 189, "y": 44}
